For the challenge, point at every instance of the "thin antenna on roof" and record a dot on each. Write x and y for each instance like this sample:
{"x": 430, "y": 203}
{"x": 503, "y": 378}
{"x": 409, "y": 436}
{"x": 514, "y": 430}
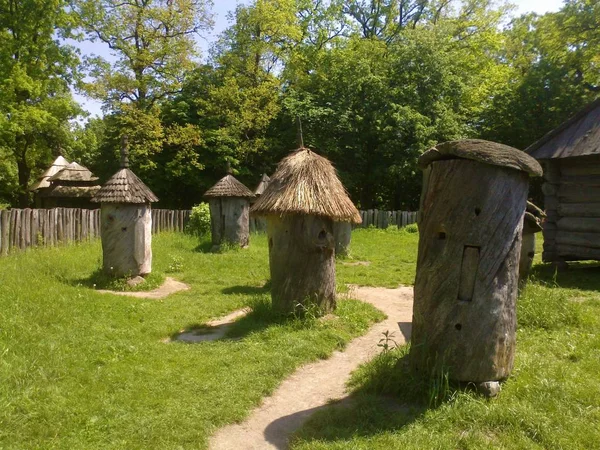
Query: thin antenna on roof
{"x": 299, "y": 137}
{"x": 124, "y": 152}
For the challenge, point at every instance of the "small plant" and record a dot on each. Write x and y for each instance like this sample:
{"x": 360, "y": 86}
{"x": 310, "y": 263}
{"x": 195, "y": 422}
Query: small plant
{"x": 175, "y": 264}
{"x": 386, "y": 341}
{"x": 199, "y": 223}
{"x": 411, "y": 228}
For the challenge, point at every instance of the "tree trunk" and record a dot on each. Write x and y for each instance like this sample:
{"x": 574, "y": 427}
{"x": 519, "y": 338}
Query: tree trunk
{"x": 302, "y": 262}
{"x": 464, "y": 314}
{"x": 24, "y": 175}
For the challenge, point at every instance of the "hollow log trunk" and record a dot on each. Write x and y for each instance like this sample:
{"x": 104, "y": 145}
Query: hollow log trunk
{"x": 464, "y": 314}
{"x": 527, "y": 255}
{"x": 342, "y": 233}
{"x": 126, "y": 239}
{"x": 302, "y": 262}
{"x": 229, "y": 221}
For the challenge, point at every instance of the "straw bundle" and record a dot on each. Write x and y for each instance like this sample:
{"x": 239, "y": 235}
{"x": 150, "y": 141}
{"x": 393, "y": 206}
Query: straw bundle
{"x": 306, "y": 183}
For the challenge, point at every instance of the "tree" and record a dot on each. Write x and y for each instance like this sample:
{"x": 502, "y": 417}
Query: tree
{"x": 36, "y": 106}
{"x": 153, "y": 41}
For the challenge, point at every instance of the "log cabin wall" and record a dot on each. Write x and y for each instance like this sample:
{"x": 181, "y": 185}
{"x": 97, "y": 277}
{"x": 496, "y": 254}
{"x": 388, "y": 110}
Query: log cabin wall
{"x": 572, "y": 202}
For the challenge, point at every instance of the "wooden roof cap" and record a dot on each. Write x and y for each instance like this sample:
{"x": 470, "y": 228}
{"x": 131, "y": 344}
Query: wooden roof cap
{"x": 486, "y": 152}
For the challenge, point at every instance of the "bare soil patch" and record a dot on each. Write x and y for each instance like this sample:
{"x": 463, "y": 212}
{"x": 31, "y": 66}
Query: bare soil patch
{"x": 215, "y": 329}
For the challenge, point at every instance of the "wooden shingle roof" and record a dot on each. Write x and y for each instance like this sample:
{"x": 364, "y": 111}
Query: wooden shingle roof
{"x": 264, "y": 182}
{"x": 124, "y": 187}
{"x": 228, "y": 186}
{"x": 73, "y": 172}
{"x": 578, "y": 136}
{"x": 58, "y": 164}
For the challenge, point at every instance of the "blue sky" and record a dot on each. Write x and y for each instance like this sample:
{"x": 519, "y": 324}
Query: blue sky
{"x": 222, "y": 7}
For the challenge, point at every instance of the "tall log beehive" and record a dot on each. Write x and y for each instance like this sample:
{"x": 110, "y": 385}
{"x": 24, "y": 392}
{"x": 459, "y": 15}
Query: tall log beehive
{"x": 470, "y": 223}
{"x": 303, "y": 200}
{"x": 126, "y": 223}
{"x": 229, "y": 202}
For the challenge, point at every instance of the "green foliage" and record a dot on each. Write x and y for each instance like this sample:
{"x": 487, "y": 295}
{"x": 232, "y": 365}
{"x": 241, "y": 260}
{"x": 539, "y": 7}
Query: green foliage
{"x": 199, "y": 224}
{"x": 411, "y": 228}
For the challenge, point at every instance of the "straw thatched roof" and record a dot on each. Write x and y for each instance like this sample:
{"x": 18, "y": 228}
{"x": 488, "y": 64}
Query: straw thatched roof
{"x": 306, "y": 183}
{"x": 58, "y": 164}
{"x": 73, "y": 172}
{"x": 486, "y": 152}
{"x": 124, "y": 187}
{"x": 264, "y": 182}
{"x": 228, "y": 186}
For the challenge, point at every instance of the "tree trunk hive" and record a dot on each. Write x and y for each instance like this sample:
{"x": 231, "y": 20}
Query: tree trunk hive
{"x": 301, "y": 203}
{"x": 229, "y": 202}
{"x": 126, "y": 224}
{"x": 472, "y": 208}
{"x": 342, "y": 233}
{"x": 531, "y": 225}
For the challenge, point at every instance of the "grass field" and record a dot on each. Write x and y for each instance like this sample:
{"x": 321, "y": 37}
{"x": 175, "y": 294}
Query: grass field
{"x": 83, "y": 370}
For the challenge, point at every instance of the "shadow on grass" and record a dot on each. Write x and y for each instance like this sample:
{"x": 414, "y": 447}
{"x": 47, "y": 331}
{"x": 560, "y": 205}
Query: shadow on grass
{"x": 100, "y": 280}
{"x": 387, "y": 396}
{"x": 246, "y": 290}
{"x": 580, "y": 275}
{"x": 260, "y": 317}
{"x": 204, "y": 247}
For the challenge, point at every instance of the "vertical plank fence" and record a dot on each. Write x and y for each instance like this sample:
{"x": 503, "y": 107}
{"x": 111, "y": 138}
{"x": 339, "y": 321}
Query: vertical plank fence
{"x": 384, "y": 219}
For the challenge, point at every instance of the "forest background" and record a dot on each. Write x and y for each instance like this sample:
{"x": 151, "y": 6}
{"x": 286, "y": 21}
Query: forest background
{"x": 374, "y": 82}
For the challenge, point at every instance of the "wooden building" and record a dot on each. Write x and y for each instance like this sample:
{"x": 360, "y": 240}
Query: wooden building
{"x": 71, "y": 187}
{"x": 42, "y": 184}
{"x": 470, "y": 223}
{"x": 304, "y": 199}
{"x": 229, "y": 202}
{"x": 570, "y": 155}
{"x": 126, "y": 223}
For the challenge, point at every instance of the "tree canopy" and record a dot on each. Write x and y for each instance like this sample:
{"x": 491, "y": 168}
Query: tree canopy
{"x": 375, "y": 83}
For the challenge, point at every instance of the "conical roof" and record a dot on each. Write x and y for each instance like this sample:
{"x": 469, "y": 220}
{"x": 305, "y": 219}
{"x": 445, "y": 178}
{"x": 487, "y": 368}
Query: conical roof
{"x": 58, "y": 164}
{"x": 486, "y": 152}
{"x": 124, "y": 187}
{"x": 73, "y": 172}
{"x": 306, "y": 183}
{"x": 264, "y": 182}
{"x": 228, "y": 186}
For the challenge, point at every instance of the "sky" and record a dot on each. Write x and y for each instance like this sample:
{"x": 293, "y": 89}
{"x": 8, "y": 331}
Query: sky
{"x": 220, "y": 10}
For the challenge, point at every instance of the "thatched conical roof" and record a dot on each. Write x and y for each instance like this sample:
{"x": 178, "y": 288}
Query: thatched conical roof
{"x": 264, "y": 182}
{"x": 58, "y": 164}
{"x": 486, "y": 152}
{"x": 228, "y": 186}
{"x": 73, "y": 172}
{"x": 306, "y": 183}
{"x": 124, "y": 187}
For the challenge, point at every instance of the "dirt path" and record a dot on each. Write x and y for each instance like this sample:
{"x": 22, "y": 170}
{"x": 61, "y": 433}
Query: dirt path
{"x": 215, "y": 329}
{"x": 170, "y": 286}
{"x": 313, "y": 385}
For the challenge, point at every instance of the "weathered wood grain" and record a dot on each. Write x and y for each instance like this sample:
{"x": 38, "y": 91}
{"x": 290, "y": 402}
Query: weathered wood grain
{"x": 229, "y": 221}
{"x": 578, "y": 239}
{"x": 579, "y": 209}
{"x": 302, "y": 263}
{"x": 580, "y": 224}
{"x": 577, "y": 253}
{"x": 471, "y": 219}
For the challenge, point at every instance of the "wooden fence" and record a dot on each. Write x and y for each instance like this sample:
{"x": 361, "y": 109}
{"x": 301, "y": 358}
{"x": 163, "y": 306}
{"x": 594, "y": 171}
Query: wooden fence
{"x": 384, "y": 219}
{"x": 24, "y": 228}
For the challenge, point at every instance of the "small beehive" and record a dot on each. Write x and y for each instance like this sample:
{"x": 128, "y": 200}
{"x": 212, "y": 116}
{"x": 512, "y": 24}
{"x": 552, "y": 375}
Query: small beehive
{"x": 532, "y": 223}
{"x": 229, "y": 202}
{"x": 303, "y": 200}
{"x": 471, "y": 219}
{"x": 126, "y": 223}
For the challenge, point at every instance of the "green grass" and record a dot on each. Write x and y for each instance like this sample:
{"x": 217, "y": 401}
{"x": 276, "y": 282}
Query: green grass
{"x": 551, "y": 401}
{"x": 84, "y": 370}
{"x": 391, "y": 253}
